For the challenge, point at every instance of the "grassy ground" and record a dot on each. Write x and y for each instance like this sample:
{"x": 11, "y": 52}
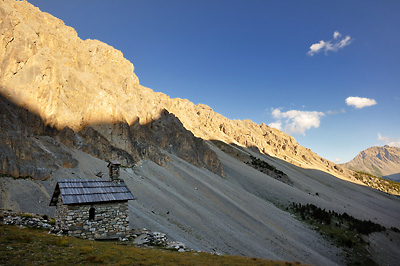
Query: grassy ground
{"x": 26, "y": 246}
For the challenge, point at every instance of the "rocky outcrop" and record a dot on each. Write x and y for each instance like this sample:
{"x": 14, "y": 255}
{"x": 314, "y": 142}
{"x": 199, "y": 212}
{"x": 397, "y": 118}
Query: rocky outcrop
{"x": 29, "y": 148}
{"x": 26, "y": 150}
{"x": 378, "y": 161}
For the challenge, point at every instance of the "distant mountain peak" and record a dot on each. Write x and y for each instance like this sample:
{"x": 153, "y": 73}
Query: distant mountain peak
{"x": 382, "y": 161}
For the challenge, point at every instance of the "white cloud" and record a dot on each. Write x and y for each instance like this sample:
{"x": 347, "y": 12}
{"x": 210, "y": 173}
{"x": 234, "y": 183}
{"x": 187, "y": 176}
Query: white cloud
{"x": 394, "y": 143}
{"x": 381, "y": 138}
{"x": 359, "y": 102}
{"x": 276, "y": 125}
{"x": 316, "y": 47}
{"x": 336, "y": 35}
{"x": 389, "y": 141}
{"x": 332, "y": 45}
{"x": 343, "y": 43}
{"x": 338, "y": 160}
{"x": 295, "y": 121}
{"x": 336, "y": 112}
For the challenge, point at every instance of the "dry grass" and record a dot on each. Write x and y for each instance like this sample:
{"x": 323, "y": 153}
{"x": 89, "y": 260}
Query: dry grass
{"x": 25, "y": 246}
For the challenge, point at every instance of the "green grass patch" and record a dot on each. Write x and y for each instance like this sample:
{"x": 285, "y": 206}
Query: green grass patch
{"x": 27, "y": 246}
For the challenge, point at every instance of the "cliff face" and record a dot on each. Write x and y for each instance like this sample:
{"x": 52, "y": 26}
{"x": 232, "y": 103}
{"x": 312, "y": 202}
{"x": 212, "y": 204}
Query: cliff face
{"x": 29, "y": 148}
{"x": 86, "y": 92}
{"x": 25, "y": 150}
{"x": 378, "y": 161}
{"x": 82, "y": 84}
{"x": 67, "y": 81}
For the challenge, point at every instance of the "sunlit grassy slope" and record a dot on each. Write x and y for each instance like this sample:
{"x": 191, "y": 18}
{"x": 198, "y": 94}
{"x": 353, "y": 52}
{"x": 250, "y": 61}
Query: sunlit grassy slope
{"x": 25, "y": 246}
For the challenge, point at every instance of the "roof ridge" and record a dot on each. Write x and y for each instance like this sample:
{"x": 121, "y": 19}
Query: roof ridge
{"x": 98, "y": 193}
{"x": 88, "y": 180}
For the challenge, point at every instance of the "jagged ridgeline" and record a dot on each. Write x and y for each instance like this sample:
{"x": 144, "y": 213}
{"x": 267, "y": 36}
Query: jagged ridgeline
{"x": 88, "y": 86}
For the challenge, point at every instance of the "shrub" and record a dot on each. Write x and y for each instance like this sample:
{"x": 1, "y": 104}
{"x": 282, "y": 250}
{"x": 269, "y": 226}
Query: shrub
{"x": 26, "y": 215}
{"x": 395, "y": 229}
{"x": 94, "y": 259}
{"x": 63, "y": 243}
{"x": 85, "y": 249}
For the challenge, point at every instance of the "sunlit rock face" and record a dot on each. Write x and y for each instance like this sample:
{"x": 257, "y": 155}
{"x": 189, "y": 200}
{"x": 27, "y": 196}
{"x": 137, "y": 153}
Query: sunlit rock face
{"x": 87, "y": 92}
{"x": 68, "y": 82}
{"x": 378, "y": 161}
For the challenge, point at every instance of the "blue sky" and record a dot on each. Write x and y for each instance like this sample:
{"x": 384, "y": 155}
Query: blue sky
{"x": 290, "y": 64}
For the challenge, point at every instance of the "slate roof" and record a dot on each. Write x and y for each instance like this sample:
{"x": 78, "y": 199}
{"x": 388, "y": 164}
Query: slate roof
{"x": 81, "y": 191}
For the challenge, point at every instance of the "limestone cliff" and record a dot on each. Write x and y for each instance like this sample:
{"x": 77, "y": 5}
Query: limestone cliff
{"x": 87, "y": 92}
{"x": 83, "y": 84}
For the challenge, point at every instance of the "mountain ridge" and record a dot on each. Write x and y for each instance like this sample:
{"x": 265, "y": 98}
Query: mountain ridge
{"x": 379, "y": 161}
{"x": 77, "y": 83}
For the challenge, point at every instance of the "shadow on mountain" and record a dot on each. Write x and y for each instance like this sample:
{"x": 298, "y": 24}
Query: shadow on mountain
{"x": 291, "y": 174}
{"x": 393, "y": 177}
{"x": 246, "y": 157}
{"x": 30, "y": 148}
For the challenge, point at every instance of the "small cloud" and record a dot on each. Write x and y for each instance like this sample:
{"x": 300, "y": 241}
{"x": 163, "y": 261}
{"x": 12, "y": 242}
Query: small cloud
{"x": 381, "y": 138}
{"x": 295, "y": 121}
{"x": 336, "y": 35}
{"x": 389, "y": 141}
{"x": 332, "y": 112}
{"x": 316, "y": 47}
{"x": 332, "y": 45}
{"x": 338, "y": 160}
{"x": 335, "y": 112}
{"x": 359, "y": 102}
{"x": 395, "y": 143}
{"x": 276, "y": 125}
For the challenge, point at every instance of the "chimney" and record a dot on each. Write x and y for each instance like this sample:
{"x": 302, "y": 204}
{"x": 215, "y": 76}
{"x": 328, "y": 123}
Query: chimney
{"x": 113, "y": 167}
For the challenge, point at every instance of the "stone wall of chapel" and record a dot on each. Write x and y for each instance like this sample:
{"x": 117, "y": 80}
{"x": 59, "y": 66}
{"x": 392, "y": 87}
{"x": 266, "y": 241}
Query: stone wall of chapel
{"x": 111, "y": 219}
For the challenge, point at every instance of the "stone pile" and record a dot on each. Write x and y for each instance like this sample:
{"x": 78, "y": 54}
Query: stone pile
{"x": 29, "y": 220}
{"x": 145, "y": 237}
{"x": 179, "y": 246}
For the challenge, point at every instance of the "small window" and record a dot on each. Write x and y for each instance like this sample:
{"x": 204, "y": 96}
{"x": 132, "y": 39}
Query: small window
{"x": 91, "y": 214}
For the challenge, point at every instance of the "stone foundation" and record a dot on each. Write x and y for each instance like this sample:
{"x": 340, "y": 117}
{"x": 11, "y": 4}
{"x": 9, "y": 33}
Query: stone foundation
{"x": 110, "y": 220}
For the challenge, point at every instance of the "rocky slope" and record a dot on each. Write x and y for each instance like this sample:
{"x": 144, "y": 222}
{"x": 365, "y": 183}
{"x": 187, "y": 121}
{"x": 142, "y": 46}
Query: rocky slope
{"x": 29, "y": 148}
{"x": 379, "y": 161}
{"x": 73, "y": 83}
